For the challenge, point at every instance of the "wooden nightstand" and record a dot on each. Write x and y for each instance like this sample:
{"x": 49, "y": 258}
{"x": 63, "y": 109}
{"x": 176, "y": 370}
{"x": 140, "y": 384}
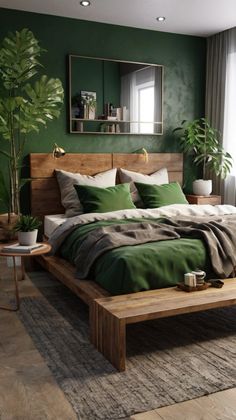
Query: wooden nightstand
{"x": 44, "y": 250}
{"x": 202, "y": 199}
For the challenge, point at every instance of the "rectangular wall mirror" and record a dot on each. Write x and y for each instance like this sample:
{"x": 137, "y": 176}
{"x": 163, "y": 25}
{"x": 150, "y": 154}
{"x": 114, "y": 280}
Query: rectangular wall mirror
{"x": 114, "y": 97}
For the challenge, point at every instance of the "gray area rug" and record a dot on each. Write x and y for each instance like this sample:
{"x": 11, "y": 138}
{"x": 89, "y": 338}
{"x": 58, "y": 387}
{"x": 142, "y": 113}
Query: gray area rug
{"x": 168, "y": 360}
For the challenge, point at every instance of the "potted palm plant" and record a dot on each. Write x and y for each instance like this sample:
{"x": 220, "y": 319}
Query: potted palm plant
{"x": 24, "y": 106}
{"x": 27, "y": 228}
{"x": 199, "y": 138}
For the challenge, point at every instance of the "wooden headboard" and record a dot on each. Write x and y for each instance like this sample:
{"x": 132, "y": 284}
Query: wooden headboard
{"x": 45, "y": 193}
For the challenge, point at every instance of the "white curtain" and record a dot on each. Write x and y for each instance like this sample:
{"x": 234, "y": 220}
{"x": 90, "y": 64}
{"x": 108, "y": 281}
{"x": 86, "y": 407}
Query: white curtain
{"x": 229, "y": 133}
{"x": 217, "y": 47}
{"x": 221, "y": 101}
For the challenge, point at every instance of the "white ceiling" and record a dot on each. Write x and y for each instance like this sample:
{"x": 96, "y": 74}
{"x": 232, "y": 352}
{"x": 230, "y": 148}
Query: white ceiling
{"x": 191, "y": 17}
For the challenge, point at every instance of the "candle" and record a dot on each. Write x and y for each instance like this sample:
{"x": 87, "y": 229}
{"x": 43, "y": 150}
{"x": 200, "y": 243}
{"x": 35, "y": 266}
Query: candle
{"x": 190, "y": 280}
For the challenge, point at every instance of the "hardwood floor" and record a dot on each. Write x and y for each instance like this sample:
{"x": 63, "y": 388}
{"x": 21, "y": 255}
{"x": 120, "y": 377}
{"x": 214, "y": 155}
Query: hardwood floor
{"x": 28, "y": 390}
{"x": 218, "y": 406}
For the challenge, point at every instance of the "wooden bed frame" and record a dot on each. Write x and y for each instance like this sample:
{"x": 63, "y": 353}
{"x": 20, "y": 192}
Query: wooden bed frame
{"x": 109, "y": 315}
{"x": 45, "y": 197}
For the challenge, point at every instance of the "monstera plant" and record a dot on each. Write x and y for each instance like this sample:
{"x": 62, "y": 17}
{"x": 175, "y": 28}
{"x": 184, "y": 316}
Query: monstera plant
{"x": 28, "y": 101}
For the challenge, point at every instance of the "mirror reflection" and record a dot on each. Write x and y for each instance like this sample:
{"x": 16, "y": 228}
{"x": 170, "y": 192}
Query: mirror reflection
{"x": 111, "y": 96}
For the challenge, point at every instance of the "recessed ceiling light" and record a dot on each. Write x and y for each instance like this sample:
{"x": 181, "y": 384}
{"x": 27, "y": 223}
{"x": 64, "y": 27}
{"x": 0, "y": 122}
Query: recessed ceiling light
{"x": 161, "y": 18}
{"x": 85, "y": 3}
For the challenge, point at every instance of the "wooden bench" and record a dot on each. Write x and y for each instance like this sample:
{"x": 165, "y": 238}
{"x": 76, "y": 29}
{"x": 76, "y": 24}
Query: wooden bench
{"x": 109, "y": 315}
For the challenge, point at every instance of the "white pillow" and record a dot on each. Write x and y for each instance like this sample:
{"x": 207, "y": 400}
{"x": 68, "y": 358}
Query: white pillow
{"x": 157, "y": 178}
{"x": 69, "y": 197}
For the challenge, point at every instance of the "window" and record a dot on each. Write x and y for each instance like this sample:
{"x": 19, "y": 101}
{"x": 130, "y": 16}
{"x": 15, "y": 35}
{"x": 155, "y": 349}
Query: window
{"x": 145, "y": 100}
{"x": 141, "y": 92}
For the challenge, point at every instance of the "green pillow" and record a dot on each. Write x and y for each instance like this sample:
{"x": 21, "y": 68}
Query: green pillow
{"x": 161, "y": 195}
{"x": 102, "y": 200}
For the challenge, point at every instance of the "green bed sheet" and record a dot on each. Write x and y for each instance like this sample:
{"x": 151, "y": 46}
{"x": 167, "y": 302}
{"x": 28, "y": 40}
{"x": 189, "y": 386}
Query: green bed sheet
{"x": 142, "y": 267}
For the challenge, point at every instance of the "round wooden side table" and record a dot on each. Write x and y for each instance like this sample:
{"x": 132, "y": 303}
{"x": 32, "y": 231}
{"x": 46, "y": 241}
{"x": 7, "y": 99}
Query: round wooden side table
{"x": 39, "y": 251}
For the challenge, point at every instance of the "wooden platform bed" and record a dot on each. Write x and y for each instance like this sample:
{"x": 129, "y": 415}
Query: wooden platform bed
{"x": 109, "y": 315}
{"x": 46, "y": 200}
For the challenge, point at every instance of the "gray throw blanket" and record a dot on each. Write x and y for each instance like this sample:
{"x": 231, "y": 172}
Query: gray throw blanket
{"x": 218, "y": 236}
{"x": 110, "y": 237}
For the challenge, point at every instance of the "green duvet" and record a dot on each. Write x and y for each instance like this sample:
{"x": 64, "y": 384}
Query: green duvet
{"x": 142, "y": 267}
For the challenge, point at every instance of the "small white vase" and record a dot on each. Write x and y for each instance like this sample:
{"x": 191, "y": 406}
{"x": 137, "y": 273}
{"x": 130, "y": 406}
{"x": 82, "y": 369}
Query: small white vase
{"x": 28, "y": 238}
{"x": 202, "y": 187}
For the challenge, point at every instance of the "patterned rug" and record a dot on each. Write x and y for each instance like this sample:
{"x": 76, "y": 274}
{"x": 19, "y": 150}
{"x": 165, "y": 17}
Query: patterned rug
{"x": 168, "y": 360}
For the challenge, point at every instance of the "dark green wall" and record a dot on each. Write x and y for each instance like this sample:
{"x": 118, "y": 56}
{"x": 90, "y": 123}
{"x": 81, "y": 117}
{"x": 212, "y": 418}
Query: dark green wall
{"x": 183, "y": 58}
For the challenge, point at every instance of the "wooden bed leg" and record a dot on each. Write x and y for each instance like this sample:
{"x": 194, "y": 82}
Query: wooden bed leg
{"x": 108, "y": 335}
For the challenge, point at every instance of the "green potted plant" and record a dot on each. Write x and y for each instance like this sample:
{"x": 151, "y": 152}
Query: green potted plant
{"x": 27, "y": 228}
{"x": 199, "y": 138}
{"x": 24, "y": 106}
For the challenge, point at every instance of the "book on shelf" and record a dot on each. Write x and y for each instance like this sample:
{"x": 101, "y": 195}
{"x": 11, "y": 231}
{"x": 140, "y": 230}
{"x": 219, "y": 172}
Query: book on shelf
{"x": 24, "y": 249}
{"x": 111, "y": 118}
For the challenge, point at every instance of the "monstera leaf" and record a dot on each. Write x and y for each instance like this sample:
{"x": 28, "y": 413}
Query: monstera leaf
{"x": 19, "y": 58}
{"x": 44, "y": 99}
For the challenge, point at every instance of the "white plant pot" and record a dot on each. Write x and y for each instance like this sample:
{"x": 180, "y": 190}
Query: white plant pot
{"x": 202, "y": 187}
{"x": 28, "y": 238}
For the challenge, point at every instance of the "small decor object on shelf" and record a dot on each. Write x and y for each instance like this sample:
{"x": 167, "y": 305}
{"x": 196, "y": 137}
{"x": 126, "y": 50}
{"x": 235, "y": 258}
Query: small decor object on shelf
{"x": 27, "y": 228}
{"x": 199, "y": 138}
{"x": 89, "y": 101}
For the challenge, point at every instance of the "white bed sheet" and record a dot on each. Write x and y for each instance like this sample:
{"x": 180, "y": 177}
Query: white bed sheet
{"x": 52, "y": 221}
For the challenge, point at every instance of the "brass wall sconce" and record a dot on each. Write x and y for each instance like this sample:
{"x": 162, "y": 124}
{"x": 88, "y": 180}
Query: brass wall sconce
{"x": 58, "y": 151}
{"x": 144, "y": 152}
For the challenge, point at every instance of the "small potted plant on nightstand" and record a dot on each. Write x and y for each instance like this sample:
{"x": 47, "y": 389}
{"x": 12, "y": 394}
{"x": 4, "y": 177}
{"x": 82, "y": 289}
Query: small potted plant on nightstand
{"x": 27, "y": 228}
{"x": 199, "y": 138}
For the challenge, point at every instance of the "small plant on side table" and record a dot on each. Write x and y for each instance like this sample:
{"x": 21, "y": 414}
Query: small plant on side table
{"x": 27, "y": 228}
